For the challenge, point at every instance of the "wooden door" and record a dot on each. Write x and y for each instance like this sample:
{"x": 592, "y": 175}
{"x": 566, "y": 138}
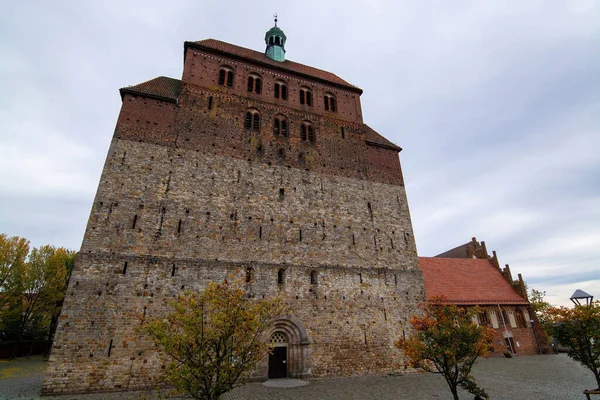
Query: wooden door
{"x": 278, "y": 363}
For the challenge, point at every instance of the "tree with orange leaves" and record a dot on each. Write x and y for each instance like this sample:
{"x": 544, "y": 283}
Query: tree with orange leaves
{"x": 214, "y": 338}
{"x": 578, "y": 328}
{"x": 446, "y": 341}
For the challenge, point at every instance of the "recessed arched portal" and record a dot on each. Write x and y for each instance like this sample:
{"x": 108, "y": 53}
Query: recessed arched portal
{"x": 290, "y": 356}
{"x": 278, "y": 356}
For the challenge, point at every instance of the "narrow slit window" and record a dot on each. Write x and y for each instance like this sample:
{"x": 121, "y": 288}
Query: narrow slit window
{"x": 343, "y": 133}
{"x": 248, "y": 120}
{"x": 249, "y": 274}
{"x": 179, "y": 227}
{"x": 255, "y": 121}
{"x": 250, "y": 83}
{"x": 124, "y": 267}
{"x": 283, "y": 92}
{"x": 210, "y": 102}
{"x": 135, "y": 217}
{"x": 284, "y": 127}
{"x": 222, "y": 74}
{"x": 302, "y": 97}
{"x": 276, "y": 91}
{"x": 276, "y": 127}
{"x": 311, "y": 134}
{"x": 257, "y": 85}
{"x": 230, "y": 78}
{"x": 313, "y": 277}
{"x": 281, "y": 276}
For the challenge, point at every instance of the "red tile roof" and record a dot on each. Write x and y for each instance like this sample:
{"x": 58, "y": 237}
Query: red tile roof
{"x": 162, "y": 88}
{"x": 375, "y": 139}
{"x": 252, "y": 55}
{"x": 467, "y": 281}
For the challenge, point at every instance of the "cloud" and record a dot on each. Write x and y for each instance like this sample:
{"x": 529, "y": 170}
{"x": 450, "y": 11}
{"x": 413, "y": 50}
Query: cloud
{"x": 494, "y": 103}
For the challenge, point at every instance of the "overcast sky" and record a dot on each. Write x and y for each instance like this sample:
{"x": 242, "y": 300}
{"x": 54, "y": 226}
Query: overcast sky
{"x": 495, "y": 103}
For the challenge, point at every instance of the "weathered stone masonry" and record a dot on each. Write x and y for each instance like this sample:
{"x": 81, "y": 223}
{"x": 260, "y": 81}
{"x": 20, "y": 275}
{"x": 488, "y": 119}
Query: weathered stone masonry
{"x": 188, "y": 195}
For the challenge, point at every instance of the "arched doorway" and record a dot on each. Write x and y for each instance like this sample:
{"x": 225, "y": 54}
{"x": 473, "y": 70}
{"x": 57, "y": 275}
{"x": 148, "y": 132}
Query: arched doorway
{"x": 278, "y": 357}
{"x": 290, "y": 354}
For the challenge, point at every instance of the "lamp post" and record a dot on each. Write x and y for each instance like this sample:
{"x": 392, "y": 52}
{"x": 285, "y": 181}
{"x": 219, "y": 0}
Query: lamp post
{"x": 581, "y": 295}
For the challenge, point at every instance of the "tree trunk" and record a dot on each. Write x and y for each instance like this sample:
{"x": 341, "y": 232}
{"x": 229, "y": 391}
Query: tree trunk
{"x": 454, "y": 391}
{"x": 597, "y": 375}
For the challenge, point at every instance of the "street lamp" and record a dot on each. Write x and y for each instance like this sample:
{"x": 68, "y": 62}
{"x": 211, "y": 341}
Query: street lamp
{"x": 581, "y": 295}
{"x": 537, "y": 342}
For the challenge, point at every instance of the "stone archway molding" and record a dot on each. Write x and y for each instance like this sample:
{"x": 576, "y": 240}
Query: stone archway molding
{"x": 298, "y": 346}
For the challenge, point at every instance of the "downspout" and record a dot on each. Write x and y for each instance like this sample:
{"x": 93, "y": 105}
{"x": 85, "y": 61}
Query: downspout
{"x": 505, "y": 330}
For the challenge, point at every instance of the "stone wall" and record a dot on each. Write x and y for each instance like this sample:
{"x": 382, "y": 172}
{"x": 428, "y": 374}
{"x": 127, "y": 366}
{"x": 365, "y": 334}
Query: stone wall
{"x": 167, "y": 220}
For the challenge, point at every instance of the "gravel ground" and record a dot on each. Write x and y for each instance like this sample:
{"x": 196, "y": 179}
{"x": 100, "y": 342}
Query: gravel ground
{"x": 551, "y": 377}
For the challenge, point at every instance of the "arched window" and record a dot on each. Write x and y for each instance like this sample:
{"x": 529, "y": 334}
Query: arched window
{"x": 249, "y": 274}
{"x": 281, "y": 276}
{"x": 226, "y": 76}
{"x": 252, "y": 120}
{"x": 330, "y": 104}
{"x": 305, "y": 96}
{"x": 520, "y": 320}
{"x": 313, "y": 277}
{"x": 307, "y": 132}
{"x": 280, "y": 126}
{"x": 254, "y": 83}
{"x": 280, "y": 90}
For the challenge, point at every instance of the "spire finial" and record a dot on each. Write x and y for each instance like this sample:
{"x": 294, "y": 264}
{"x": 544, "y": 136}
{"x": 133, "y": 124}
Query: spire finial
{"x": 275, "y": 16}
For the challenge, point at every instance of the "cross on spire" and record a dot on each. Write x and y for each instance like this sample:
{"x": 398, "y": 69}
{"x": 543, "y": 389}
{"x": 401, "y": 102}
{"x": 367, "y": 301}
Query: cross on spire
{"x": 275, "y": 16}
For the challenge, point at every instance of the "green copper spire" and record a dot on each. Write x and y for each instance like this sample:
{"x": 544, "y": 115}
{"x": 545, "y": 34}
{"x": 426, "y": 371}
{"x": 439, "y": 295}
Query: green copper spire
{"x": 275, "y": 40}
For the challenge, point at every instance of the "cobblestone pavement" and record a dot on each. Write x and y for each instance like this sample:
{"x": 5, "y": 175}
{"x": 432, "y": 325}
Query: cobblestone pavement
{"x": 551, "y": 377}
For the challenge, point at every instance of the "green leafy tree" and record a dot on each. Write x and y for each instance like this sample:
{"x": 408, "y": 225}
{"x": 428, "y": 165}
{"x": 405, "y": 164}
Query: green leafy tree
{"x": 36, "y": 290}
{"x": 33, "y": 287}
{"x": 13, "y": 253}
{"x": 538, "y": 302}
{"x": 214, "y": 339}
{"x": 579, "y": 329}
{"x": 446, "y": 341}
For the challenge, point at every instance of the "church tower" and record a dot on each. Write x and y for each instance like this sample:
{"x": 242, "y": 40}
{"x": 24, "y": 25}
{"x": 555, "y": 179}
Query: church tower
{"x": 248, "y": 162}
{"x": 275, "y": 40}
